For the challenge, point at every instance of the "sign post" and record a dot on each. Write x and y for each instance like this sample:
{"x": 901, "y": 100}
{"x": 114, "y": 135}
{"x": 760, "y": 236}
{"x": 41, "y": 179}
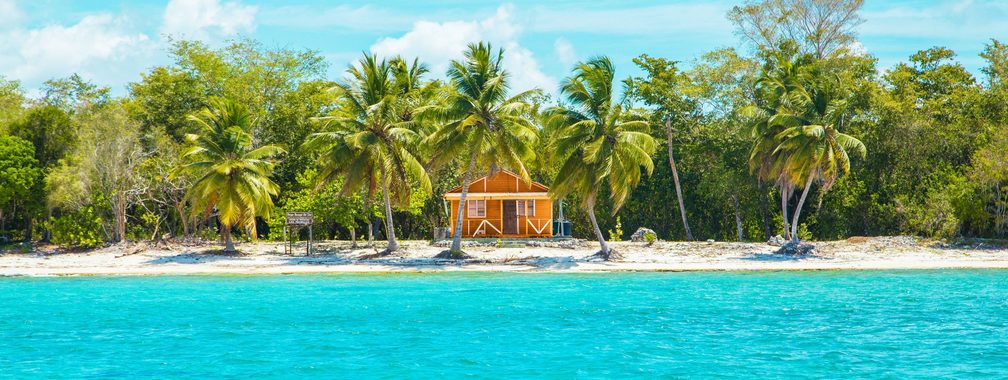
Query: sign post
{"x": 296, "y": 221}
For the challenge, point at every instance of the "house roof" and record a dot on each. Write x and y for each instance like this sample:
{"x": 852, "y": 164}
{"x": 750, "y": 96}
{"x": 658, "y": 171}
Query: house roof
{"x": 535, "y": 187}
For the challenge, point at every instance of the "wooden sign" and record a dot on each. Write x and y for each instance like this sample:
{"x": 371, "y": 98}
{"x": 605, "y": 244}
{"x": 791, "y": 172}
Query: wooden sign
{"x": 296, "y": 220}
{"x": 299, "y": 218}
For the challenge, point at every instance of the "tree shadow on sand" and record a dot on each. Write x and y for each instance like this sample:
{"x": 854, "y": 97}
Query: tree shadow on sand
{"x": 198, "y": 258}
{"x": 773, "y": 256}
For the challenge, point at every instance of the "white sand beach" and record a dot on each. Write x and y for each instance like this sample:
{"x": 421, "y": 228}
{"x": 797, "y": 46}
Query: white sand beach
{"x": 417, "y": 256}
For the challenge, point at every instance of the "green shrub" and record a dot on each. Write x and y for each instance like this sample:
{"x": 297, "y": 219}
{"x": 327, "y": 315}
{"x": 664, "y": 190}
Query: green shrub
{"x": 81, "y": 228}
{"x": 803, "y": 232}
{"x": 276, "y": 224}
{"x": 616, "y": 234}
{"x": 650, "y": 237}
{"x": 935, "y": 218}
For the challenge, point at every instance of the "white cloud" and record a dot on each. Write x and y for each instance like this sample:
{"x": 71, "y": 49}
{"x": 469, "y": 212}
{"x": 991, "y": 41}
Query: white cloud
{"x": 202, "y": 19}
{"x": 437, "y": 43}
{"x": 10, "y": 15}
{"x": 564, "y": 51}
{"x": 98, "y": 46}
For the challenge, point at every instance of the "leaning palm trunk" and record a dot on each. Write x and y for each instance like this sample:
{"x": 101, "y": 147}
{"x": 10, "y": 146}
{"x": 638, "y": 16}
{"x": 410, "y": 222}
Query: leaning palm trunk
{"x": 228, "y": 243}
{"x": 389, "y": 228}
{"x": 457, "y": 238}
{"x": 367, "y": 214}
{"x": 675, "y": 178}
{"x": 801, "y": 202}
{"x": 785, "y": 193}
{"x": 604, "y": 252}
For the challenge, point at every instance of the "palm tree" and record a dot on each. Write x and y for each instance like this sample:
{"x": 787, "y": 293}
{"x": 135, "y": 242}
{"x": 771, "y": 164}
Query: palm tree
{"x": 811, "y": 147}
{"x": 675, "y": 180}
{"x": 371, "y": 139}
{"x": 231, "y": 174}
{"x": 482, "y": 123}
{"x": 598, "y": 141}
{"x": 778, "y": 87}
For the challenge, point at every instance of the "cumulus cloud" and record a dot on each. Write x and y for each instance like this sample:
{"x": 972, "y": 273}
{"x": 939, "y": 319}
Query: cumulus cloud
{"x": 90, "y": 47}
{"x": 107, "y": 48}
{"x": 437, "y": 43}
{"x": 203, "y": 19}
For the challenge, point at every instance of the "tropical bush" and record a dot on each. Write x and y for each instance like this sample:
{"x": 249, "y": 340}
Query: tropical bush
{"x": 650, "y": 237}
{"x": 80, "y": 228}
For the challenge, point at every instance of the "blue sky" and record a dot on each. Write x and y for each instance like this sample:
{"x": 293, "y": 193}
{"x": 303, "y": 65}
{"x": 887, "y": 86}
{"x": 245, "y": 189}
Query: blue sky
{"x": 112, "y": 42}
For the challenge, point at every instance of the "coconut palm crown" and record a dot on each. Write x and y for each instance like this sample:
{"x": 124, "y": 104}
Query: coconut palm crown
{"x": 598, "y": 141}
{"x": 481, "y": 122}
{"x": 232, "y": 175}
{"x": 370, "y": 142}
{"x": 811, "y": 147}
{"x": 779, "y": 87}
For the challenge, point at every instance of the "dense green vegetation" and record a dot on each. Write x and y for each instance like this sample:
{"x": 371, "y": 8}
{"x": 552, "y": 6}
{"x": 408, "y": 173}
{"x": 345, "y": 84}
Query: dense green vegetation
{"x": 796, "y": 133}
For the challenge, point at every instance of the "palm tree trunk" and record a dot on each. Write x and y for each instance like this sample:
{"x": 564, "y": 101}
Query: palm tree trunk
{"x": 389, "y": 227}
{"x": 801, "y": 202}
{"x": 457, "y": 237}
{"x": 367, "y": 213}
{"x": 675, "y": 178}
{"x": 765, "y": 211}
{"x": 785, "y": 193}
{"x": 228, "y": 244}
{"x": 604, "y": 250}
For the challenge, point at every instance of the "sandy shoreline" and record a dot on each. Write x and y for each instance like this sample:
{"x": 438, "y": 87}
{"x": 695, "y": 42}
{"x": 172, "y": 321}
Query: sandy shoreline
{"x": 338, "y": 257}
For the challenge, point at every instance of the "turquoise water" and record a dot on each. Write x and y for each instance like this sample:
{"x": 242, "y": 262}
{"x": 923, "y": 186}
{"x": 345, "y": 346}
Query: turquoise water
{"x": 913, "y": 324}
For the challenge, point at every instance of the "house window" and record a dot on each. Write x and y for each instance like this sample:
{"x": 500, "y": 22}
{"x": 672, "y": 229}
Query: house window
{"x": 477, "y": 209}
{"x": 526, "y": 207}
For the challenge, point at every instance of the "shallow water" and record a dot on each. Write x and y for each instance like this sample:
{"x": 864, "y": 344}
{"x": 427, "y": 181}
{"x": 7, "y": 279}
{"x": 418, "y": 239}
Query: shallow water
{"x": 902, "y": 324}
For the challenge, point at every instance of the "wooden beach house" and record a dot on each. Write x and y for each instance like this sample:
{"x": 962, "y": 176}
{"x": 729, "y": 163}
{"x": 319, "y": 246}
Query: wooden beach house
{"x": 503, "y": 205}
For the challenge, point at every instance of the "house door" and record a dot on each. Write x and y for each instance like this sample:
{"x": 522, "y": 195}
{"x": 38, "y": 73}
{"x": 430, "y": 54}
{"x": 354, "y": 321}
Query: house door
{"x": 510, "y": 217}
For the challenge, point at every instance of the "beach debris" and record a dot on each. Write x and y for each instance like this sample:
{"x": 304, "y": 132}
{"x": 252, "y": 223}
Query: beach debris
{"x": 777, "y": 241}
{"x": 858, "y": 239}
{"x": 793, "y": 248}
{"x": 639, "y": 236}
{"x": 564, "y": 243}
